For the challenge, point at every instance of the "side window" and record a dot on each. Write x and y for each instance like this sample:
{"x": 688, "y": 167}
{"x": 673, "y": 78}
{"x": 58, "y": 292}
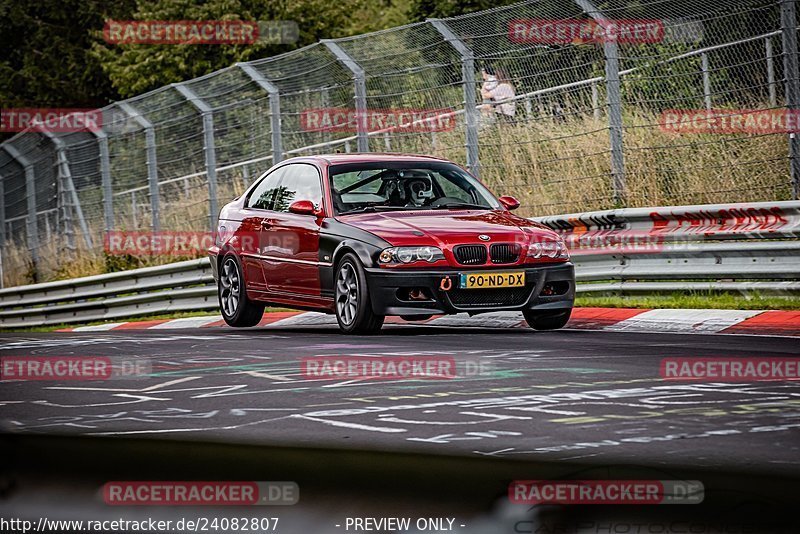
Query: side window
{"x": 263, "y": 196}
{"x": 300, "y": 182}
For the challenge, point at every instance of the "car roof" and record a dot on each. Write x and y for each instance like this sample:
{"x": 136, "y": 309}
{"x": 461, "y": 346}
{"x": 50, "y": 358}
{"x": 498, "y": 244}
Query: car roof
{"x": 370, "y": 157}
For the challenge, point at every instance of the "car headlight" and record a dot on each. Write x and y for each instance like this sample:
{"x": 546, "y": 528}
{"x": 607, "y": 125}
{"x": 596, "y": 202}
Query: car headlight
{"x": 410, "y": 255}
{"x": 548, "y": 249}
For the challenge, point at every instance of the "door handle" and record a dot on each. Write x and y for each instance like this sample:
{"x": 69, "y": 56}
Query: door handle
{"x": 266, "y": 224}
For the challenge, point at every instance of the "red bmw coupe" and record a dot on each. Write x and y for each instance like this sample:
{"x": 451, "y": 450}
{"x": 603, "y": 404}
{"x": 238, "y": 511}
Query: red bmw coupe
{"x": 370, "y": 235}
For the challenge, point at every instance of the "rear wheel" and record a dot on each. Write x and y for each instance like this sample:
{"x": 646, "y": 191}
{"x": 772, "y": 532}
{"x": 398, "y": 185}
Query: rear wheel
{"x": 353, "y": 308}
{"x": 237, "y": 309}
{"x": 550, "y": 321}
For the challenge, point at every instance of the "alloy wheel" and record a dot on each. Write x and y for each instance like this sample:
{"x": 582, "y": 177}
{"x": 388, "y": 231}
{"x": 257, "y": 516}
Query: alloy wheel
{"x": 230, "y": 287}
{"x": 347, "y": 293}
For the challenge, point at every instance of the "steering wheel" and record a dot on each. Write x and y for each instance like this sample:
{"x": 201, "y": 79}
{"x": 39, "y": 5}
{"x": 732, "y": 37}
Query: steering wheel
{"x": 444, "y": 200}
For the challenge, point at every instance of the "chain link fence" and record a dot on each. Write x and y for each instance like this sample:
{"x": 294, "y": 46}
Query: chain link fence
{"x": 565, "y": 104}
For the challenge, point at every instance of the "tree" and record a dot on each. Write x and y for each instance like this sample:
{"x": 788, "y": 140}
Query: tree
{"x": 137, "y": 68}
{"x": 424, "y": 9}
{"x": 45, "y": 58}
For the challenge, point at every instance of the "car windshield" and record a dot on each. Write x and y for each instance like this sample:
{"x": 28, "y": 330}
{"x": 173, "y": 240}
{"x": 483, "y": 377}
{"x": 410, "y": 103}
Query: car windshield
{"x": 390, "y": 186}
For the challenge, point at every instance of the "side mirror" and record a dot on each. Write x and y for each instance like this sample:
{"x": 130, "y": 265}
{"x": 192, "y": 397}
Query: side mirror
{"x": 303, "y": 207}
{"x": 510, "y": 203}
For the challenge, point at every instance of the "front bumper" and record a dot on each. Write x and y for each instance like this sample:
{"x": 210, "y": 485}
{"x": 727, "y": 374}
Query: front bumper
{"x": 388, "y": 289}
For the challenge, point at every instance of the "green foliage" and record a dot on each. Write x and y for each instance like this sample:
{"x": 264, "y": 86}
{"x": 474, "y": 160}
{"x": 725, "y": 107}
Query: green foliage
{"x": 46, "y": 60}
{"x": 423, "y": 9}
{"x": 137, "y": 68}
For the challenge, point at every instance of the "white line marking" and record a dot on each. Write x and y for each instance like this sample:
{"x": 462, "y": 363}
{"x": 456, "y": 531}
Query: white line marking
{"x": 672, "y": 320}
{"x": 350, "y": 425}
{"x": 186, "y": 322}
{"x": 97, "y": 327}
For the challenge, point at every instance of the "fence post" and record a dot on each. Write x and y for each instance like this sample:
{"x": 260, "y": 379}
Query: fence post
{"x": 2, "y": 219}
{"x": 706, "y": 80}
{"x": 2, "y": 229}
{"x": 595, "y": 101}
{"x": 209, "y": 148}
{"x": 66, "y": 175}
{"x": 152, "y": 162}
{"x": 105, "y": 178}
{"x": 613, "y": 96}
{"x": 468, "y": 82}
{"x": 360, "y": 90}
{"x": 773, "y": 93}
{"x": 31, "y": 225}
{"x": 790, "y": 68}
{"x": 274, "y": 108}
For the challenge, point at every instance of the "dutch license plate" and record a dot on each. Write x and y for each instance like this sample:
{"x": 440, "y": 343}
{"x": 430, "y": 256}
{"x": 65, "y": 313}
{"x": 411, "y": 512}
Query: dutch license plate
{"x": 491, "y": 280}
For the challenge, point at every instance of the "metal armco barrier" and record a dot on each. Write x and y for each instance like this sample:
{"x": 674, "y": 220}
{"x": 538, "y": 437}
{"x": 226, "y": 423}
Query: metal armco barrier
{"x": 736, "y": 247}
{"x": 175, "y": 287}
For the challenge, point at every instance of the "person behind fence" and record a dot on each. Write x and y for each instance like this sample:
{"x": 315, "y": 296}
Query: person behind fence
{"x": 497, "y": 93}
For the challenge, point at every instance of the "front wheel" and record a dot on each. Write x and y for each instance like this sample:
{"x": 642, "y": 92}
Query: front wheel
{"x": 550, "y": 321}
{"x": 353, "y": 309}
{"x": 237, "y": 309}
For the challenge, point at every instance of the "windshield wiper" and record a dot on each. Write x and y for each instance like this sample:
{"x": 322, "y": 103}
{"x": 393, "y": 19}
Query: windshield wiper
{"x": 373, "y": 209}
{"x": 448, "y": 205}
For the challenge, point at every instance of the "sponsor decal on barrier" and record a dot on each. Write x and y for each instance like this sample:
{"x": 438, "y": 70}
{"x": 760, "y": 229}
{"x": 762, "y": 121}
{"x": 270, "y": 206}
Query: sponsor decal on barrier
{"x": 733, "y": 220}
{"x": 403, "y": 119}
{"x": 193, "y": 493}
{"x": 606, "y": 232}
{"x": 576, "y": 31}
{"x": 731, "y": 369}
{"x": 181, "y": 32}
{"x": 730, "y": 121}
{"x": 636, "y": 492}
{"x": 53, "y": 120}
{"x": 51, "y": 368}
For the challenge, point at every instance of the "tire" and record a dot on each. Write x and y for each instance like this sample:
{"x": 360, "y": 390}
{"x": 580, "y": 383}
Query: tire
{"x": 351, "y": 299}
{"x": 237, "y": 310}
{"x": 550, "y": 321}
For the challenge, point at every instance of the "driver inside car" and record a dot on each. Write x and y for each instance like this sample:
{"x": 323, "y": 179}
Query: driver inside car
{"x": 407, "y": 189}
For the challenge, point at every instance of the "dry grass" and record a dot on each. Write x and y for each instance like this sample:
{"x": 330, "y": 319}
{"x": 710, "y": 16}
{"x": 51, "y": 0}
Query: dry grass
{"x": 552, "y": 167}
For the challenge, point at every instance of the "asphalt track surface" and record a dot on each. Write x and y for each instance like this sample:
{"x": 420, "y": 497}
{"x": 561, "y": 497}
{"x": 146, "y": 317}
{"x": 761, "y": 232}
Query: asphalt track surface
{"x": 593, "y": 396}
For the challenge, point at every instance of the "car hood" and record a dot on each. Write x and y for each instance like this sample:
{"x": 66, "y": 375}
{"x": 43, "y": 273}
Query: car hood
{"x": 445, "y": 228}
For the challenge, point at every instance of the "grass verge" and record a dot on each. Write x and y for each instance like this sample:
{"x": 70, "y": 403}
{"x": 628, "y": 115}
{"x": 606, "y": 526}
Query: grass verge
{"x": 696, "y": 300}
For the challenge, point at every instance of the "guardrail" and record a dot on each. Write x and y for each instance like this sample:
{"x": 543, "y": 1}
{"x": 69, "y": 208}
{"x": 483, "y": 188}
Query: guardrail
{"x": 734, "y": 247}
{"x": 739, "y": 247}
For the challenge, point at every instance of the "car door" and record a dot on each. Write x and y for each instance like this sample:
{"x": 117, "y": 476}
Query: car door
{"x": 255, "y": 229}
{"x": 292, "y": 256}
